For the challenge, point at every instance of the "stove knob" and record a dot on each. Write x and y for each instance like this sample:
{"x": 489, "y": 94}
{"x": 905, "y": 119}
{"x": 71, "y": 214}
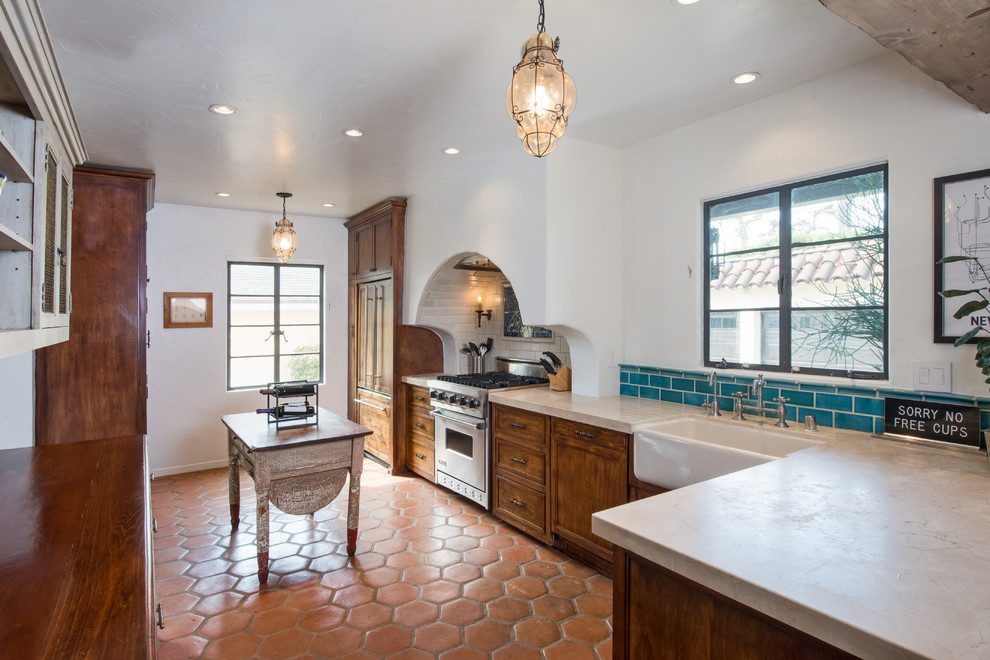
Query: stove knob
{"x": 433, "y": 394}
{"x": 442, "y": 396}
{"x": 474, "y": 403}
{"x": 462, "y": 400}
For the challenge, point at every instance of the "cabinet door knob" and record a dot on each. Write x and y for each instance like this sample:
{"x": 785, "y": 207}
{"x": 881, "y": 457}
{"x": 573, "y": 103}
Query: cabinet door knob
{"x": 420, "y": 457}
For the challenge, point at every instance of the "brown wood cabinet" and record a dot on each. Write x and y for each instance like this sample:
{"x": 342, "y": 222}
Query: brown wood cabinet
{"x": 549, "y": 475}
{"x": 520, "y": 466}
{"x": 96, "y": 384}
{"x": 660, "y": 615}
{"x": 381, "y": 349}
{"x": 420, "y": 444}
{"x": 75, "y": 563}
{"x": 590, "y": 467}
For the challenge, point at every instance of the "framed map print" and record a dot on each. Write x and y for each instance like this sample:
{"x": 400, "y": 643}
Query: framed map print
{"x": 188, "y": 310}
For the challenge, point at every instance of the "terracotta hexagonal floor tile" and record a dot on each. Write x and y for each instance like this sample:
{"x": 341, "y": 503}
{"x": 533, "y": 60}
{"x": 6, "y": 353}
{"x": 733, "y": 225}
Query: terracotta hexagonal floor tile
{"x": 309, "y": 598}
{"x": 379, "y": 577}
{"x": 322, "y": 618}
{"x": 391, "y": 546}
{"x": 354, "y": 596}
{"x": 345, "y": 577}
{"x": 525, "y": 587}
{"x": 518, "y": 555}
{"x": 285, "y": 644}
{"x": 171, "y": 569}
{"x": 440, "y": 591}
{"x": 412, "y": 533}
{"x": 179, "y": 626}
{"x": 483, "y": 590}
{"x": 387, "y": 640}
{"x": 369, "y": 615}
{"x": 214, "y": 584}
{"x": 318, "y": 549}
{"x": 430, "y": 521}
{"x": 568, "y": 650}
{"x": 518, "y": 652}
{"x": 264, "y": 601}
{"x": 442, "y": 558}
{"x": 445, "y": 531}
{"x": 183, "y": 647}
{"x": 240, "y": 645}
{"x": 595, "y": 605}
{"x": 404, "y": 560}
{"x": 421, "y": 574}
{"x": 600, "y": 584}
{"x": 542, "y": 570}
{"x": 328, "y": 563}
{"x": 604, "y": 649}
{"x": 225, "y": 624}
{"x": 462, "y": 611}
{"x": 337, "y": 642}
{"x": 426, "y": 545}
{"x": 553, "y": 607}
{"x": 461, "y": 543}
{"x": 567, "y": 587}
{"x": 203, "y": 554}
{"x": 173, "y": 585}
{"x": 219, "y": 603}
{"x": 461, "y": 573}
{"x": 437, "y": 637}
{"x": 396, "y": 594}
{"x": 479, "y": 530}
{"x": 289, "y": 564}
{"x": 487, "y": 635}
{"x": 501, "y": 571}
{"x": 463, "y": 653}
{"x": 178, "y": 603}
{"x": 537, "y": 632}
{"x": 508, "y": 609}
{"x": 365, "y": 561}
{"x": 415, "y": 613}
{"x": 480, "y": 556}
{"x": 497, "y": 542}
{"x": 585, "y": 629}
{"x": 272, "y": 621}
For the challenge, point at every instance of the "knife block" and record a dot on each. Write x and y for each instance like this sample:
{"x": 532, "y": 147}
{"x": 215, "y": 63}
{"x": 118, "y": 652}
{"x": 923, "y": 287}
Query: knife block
{"x": 561, "y": 381}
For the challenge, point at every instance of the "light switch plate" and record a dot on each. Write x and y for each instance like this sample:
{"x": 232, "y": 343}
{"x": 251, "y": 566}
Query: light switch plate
{"x": 933, "y": 376}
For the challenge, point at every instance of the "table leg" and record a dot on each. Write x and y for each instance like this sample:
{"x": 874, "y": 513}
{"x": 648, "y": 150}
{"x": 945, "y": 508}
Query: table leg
{"x": 354, "y": 494}
{"x": 262, "y": 484}
{"x": 234, "y": 486}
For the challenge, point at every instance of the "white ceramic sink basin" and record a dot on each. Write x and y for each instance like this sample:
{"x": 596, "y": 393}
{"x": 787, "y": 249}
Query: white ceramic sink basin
{"x": 686, "y": 450}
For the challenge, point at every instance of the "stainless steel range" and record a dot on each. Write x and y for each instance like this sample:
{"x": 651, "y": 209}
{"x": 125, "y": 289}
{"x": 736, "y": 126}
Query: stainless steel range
{"x": 463, "y": 424}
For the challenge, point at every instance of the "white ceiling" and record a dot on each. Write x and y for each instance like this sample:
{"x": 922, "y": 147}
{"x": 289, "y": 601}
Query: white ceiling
{"x": 415, "y": 75}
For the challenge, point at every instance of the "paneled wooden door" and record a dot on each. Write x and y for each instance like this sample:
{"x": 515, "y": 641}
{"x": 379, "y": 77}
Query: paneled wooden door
{"x": 96, "y": 384}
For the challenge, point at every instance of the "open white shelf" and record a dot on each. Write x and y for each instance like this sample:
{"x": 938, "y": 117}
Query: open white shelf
{"x": 11, "y": 165}
{"x": 10, "y": 240}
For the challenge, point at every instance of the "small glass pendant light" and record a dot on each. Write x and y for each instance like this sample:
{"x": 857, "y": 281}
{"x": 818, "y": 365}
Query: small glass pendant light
{"x": 284, "y": 237}
{"x": 541, "y": 95}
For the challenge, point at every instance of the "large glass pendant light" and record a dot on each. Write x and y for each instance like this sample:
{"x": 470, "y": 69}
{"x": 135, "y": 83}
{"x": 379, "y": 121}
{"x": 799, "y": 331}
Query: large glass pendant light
{"x": 541, "y": 96}
{"x": 284, "y": 237}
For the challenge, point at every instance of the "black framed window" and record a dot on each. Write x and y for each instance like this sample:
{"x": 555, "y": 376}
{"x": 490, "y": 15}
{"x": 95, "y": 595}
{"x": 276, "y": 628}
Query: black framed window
{"x": 796, "y": 277}
{"x": 274, "y": 323}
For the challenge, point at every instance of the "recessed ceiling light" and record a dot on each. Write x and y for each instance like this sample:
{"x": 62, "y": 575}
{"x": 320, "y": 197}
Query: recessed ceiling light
{"x": 222, "y": 194}
{"x": 329, "y": 205}
{"x": 220, "y": 109}
{"x": 745, "y": 78}
{"x": 353, "y": 132}
{"x": 683, "y": 2}
{"x": 452, "y": 151}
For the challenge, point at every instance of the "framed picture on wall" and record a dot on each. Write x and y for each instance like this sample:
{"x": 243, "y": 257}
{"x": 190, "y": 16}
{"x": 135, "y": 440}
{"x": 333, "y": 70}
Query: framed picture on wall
{"x": 512, "y": 325}
{"x": 962, "y": 228}
{"x": 188, "y": 310}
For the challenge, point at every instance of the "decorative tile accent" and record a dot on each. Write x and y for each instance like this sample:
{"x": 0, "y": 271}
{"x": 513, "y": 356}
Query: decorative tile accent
{"x": 855, "y": 408}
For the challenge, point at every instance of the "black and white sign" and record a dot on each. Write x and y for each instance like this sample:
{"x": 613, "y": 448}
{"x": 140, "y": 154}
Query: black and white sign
{"x": 933, "y": 421}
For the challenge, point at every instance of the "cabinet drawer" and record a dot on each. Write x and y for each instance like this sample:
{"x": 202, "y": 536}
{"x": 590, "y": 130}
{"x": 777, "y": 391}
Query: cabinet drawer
{"x": 513, "y": 421}
{"x": 525, "y": 462}
{"x": 524, "y": 507}
{"x": 419, "y": 458}
{"x": 419, "y": 397}
{"x": 419, "y": 423}
{"x": 590, "y": 434}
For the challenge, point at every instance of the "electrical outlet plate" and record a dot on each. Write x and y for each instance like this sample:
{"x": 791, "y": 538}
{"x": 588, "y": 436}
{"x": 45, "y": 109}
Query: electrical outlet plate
{"x": 933, "y": 376}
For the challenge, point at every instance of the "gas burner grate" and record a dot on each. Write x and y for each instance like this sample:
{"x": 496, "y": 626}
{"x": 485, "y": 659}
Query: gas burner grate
{"x": 494, "y": 380}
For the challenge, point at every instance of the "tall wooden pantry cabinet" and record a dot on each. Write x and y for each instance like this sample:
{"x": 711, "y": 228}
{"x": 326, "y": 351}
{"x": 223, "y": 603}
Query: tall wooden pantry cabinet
{"x": 381, "y": 349}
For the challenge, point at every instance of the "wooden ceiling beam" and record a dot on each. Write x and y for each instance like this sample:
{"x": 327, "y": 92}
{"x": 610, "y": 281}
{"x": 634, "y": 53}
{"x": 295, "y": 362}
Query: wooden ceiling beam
{"x": 948, "y": 40}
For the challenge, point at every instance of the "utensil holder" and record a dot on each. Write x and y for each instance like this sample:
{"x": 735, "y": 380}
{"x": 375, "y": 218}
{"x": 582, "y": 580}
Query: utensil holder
{"x": 478, "y": 364}
{"x": 561, "y": 381}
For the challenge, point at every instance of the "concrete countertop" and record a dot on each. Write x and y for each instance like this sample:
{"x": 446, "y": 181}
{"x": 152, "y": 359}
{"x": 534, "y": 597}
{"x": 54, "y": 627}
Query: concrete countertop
{"x": 420, "y": 379}
{"x": 876, "y": 546}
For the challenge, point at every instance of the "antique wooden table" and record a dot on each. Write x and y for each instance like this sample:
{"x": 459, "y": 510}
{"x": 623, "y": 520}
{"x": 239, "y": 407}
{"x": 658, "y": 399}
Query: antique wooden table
{"x": 298, "y": 469}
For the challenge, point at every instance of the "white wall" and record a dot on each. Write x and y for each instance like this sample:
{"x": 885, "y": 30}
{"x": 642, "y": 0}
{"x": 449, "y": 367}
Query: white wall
{"x": 17, "y": 401}
{"x": 187, "y": 367}
{"x": 553, "y": 226}
{"x": 884, "y": 110}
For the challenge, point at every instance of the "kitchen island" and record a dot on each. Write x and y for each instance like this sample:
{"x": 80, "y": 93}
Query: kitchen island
{"x": 874, "y": 546}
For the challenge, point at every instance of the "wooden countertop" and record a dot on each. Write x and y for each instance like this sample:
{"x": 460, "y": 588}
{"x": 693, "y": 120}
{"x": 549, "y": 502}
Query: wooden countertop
{"x": 258, "y": 435}
{"x": 75, "y": 554}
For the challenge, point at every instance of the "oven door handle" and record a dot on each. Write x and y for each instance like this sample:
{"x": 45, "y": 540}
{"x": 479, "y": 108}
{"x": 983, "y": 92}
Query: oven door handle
{"x": 439, "y": 413}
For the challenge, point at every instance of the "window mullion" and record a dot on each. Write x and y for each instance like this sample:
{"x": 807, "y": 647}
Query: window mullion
{"x": 784, "y": 285}
{"x": 278, "y": 324}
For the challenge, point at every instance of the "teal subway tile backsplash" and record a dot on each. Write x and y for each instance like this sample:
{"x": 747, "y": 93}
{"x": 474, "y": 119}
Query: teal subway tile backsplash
{"x": 859, "y": 408}
{"x": 834, "y": 402}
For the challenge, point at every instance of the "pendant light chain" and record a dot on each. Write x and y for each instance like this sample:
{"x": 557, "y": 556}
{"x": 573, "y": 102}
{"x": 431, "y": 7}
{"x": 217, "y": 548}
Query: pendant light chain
{"x": 539, "y": 25}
